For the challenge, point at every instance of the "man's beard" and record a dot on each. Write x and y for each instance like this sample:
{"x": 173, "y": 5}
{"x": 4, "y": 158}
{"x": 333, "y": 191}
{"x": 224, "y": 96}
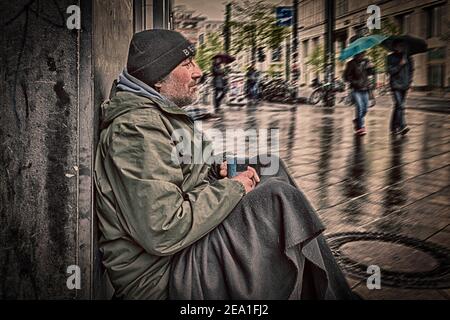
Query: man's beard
{"x": 181, "y": 100}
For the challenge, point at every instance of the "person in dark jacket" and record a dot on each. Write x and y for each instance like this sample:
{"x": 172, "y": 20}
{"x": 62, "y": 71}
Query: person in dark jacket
{"x": 251, "y": 84}
{"x": 400, "y": 67}
{"x": 219, "y": 82}
{"x": 357, "y": 73}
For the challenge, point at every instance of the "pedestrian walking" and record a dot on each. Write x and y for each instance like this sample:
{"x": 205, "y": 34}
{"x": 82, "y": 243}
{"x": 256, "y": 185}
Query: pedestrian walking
{"x": 400, "y": 67}
{"x": 357, "y": 73}
{"x": 251, "y": 85}
{"x": 219, "y": 82}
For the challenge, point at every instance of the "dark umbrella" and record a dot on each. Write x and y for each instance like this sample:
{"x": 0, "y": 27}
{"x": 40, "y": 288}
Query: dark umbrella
{"x": 224, "y": 58}
{"x": 414, "y": 45}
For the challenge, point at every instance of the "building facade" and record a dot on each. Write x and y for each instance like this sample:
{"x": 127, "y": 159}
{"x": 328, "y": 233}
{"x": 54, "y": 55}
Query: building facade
{"x": 422, "y": 18}
{"x": 187, "y": 22}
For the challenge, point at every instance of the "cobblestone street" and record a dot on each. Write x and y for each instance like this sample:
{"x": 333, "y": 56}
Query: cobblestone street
{"x": 384, "y": 200}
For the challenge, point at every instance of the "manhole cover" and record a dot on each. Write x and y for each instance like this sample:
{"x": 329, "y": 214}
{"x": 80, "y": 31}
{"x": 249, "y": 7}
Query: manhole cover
{"x": 405, "y": 262}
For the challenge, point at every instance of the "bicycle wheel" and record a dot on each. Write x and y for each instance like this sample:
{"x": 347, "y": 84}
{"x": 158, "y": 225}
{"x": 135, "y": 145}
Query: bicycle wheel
{"x": 316, "y": 96}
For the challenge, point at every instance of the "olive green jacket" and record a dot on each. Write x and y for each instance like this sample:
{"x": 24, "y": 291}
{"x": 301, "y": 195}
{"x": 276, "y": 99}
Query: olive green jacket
{"x": 149, "y": 204}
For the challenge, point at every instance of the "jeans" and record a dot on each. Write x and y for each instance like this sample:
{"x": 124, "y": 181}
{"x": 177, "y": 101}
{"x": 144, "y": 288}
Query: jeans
{"x": 398, "y": 113}
{"x": 361, "y": 99}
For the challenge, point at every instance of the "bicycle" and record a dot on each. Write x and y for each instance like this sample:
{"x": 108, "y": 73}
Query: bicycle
{"x": 321, "y": 89}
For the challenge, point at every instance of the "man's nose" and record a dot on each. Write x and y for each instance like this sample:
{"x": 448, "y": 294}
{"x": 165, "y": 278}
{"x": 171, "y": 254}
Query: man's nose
{"x": 197, "y": 73}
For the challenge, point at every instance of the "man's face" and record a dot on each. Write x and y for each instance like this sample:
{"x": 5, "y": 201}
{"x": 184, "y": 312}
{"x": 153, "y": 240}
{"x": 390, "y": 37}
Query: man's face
{"x": 180, "y": 86}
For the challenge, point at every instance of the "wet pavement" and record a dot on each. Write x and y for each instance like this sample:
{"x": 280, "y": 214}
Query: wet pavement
{"x": 384, "y": 200}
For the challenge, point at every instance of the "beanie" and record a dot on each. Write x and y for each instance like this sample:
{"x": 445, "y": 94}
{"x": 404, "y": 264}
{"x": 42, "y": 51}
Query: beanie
{"x": 153, "y": 54}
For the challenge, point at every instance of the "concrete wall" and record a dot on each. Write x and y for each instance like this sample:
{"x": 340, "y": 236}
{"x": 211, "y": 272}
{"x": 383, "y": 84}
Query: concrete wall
{"x": 55, "y": 79}
{"x": 39, "y": 150}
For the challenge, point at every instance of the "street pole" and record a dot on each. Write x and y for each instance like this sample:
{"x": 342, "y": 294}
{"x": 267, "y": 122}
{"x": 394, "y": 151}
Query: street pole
{"x": 288, "y": 58}
{"x": 226, "y": 29}
{"x": 295, "y": 70}
{"x": 227, "y": 42}
{"x": 329, "y": 51}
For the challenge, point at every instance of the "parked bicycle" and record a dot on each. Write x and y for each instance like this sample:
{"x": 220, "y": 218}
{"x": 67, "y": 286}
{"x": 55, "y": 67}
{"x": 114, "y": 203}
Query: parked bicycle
{"x": 321, "y": 89}
{"x": 276, "y": 90}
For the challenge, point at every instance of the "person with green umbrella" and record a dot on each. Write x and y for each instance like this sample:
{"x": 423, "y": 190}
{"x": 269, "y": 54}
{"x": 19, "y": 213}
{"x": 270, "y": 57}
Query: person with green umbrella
{"x": 357, "y": 73}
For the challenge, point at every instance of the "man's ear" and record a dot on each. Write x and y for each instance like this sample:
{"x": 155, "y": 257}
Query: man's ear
{"x": 158, "y": 86}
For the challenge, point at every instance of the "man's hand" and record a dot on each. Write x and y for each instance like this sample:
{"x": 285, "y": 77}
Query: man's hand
{"x": 223, "y": 169}
{"x": 403, "y": 61}
{"x": 248, "y": 178}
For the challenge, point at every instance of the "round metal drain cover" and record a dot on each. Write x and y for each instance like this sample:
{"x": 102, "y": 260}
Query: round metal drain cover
{"x": 433, "y": 271}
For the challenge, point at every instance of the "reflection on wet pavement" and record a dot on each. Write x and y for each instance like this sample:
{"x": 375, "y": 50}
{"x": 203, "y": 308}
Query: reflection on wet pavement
{"x": 376, "y": 183}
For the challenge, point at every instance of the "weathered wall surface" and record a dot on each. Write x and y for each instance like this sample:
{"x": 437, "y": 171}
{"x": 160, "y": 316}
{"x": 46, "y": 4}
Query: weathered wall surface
{"x": 53, "y": 80}
{"x": 38, "y": 149}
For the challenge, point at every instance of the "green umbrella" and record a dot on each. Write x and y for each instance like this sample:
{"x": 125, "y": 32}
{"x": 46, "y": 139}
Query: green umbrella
{"x": 360, "y": 45}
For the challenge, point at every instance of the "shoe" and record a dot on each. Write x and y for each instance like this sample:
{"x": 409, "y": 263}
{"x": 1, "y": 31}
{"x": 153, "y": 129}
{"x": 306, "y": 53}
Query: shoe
{"x": 404, "y": 130}
{"x": 361, "y": 132}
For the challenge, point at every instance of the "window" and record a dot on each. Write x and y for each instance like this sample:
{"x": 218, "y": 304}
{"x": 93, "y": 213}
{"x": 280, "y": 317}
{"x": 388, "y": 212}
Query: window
{"x": 311, "y": 13}
{"x": 359, "y": 32}
{"x": 434, "y": 21}
{"x": 404, "y": 22}
{"x": 305, "y": 48}
{"x": 315, "y": 42}
{"x": 276, "y": 54}
{"x": 436, "y": 75}
{"x": 341, "y": 7}
{"x": 138, "y": 15}
{"x": 341, "y": 44}
{"x": 436, "y": 54}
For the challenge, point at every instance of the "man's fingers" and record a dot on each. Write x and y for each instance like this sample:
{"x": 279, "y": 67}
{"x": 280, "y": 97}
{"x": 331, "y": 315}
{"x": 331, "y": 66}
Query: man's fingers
{"x": 252, "y": 183}
{"x": 255, "y": 174}
{"x": 223, "y": 173}
{"x": 223, "y": 165}
{"x": 223, "y": 169}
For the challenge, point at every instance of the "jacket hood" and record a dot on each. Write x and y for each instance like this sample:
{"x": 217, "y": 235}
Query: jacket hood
{"x": 134, "y": 94}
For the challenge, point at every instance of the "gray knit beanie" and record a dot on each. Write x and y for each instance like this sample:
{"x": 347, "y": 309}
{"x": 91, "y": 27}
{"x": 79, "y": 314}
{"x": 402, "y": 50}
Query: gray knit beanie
{"x": 153, "y": 54}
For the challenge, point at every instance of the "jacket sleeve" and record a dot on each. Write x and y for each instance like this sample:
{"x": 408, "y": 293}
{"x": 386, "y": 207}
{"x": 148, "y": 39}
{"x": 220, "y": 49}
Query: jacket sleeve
{"x": 347, "y": 72}
{"x": 157, "y": 213}
{"x": 370, "y": 71}
{"x": 391, "y": 67}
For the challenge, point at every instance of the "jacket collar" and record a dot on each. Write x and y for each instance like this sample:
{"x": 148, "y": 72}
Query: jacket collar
{"x": 128, "y": 83}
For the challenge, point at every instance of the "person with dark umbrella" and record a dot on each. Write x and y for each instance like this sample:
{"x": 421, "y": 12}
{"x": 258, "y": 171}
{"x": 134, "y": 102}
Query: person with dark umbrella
{"x": 400, "y": 67}
{"x": 219, "y": 81}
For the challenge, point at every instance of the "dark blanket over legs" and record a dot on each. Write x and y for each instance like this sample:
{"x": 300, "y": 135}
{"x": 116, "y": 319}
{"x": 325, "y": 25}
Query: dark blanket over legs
{"x": 270, "y": 247}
